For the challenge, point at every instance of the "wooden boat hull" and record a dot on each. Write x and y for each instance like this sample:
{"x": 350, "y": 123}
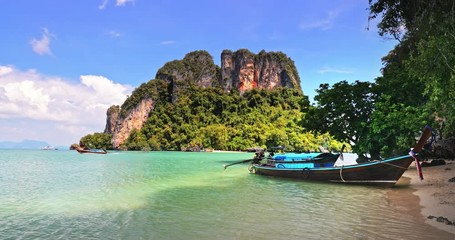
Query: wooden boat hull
{"x": 91, "y": 152}
{"x": 384, "y": 173}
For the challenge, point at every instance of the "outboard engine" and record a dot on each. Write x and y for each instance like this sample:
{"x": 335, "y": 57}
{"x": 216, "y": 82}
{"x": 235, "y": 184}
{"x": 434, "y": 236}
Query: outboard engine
{"x": 259, "y": 155}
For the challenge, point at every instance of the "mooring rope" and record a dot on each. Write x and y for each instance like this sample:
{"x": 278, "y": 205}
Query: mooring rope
{"x": 341, "y": 173}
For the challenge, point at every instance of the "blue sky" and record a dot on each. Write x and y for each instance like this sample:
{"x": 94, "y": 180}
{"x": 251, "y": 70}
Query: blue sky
{"x": 63, "y": 63}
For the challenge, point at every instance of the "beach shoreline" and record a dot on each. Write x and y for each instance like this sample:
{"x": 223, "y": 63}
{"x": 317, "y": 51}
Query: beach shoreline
{"x": 436, "y": 194}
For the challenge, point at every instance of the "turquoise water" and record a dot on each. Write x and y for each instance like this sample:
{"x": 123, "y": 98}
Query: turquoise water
{"x": 176, "y": 195}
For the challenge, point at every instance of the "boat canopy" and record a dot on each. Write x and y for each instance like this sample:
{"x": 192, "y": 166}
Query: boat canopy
{"x": 295, "y": 156}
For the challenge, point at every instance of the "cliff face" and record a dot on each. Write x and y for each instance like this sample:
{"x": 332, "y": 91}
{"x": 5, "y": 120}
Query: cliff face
{"x": 196, "y": 68}
{"x": 245, "y": 71}
{"x": 241, "y": 70}
{"x": 133, "y": 121}
{"x": 111, "y": 119}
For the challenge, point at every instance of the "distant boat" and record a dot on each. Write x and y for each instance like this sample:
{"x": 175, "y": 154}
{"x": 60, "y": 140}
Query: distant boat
{"x": 93, "y": 150}
{"x": 49, "y": 148}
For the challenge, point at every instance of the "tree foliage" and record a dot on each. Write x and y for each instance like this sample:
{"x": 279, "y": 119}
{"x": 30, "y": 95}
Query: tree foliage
{"x": 399, "y": 109}
{"x": 97, "y": 140}
{"x": 211, "y": 118}
{"x": 417, "y": 86}
{"x": 344, "y": 110}
{"x": 426, "y": 53}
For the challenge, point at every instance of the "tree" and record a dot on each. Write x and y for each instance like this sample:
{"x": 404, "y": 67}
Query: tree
{"x": 426, "y": 30}
{"x": 215, "y": 136}
{"x": 277, "y": 137}
{"x": 395, "y": 125}
{"x": 137, "y": 141}
{"x": 400, "y": 105}
{"x": 434, "y": 64}
{"x": 344, "y": 110}
{"x": 97, "y": 140}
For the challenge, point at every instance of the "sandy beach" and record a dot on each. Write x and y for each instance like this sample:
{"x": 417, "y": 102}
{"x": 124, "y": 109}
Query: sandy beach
{"x": 436, "y": 194}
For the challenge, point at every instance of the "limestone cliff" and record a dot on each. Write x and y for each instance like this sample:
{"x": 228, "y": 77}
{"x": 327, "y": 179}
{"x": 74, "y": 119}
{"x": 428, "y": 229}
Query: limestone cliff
{"x": 195, "y": 69}
{"x": 134, "y": 120}
{"x": 112, "y": 116}
{"x": 245, "y": 71}
{"x": 240, "y": 70}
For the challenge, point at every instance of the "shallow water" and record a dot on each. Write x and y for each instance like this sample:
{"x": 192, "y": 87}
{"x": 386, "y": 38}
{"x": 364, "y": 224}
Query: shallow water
{"x": 176, "y": 195}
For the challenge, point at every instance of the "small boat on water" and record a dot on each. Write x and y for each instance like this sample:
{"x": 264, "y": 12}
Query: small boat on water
{"x": 321, "y": 167}
{"x": 93, "y": 150}
{"x": 49, "y": 148}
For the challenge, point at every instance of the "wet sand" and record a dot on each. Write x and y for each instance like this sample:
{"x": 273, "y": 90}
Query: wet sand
{"x": 435, "y": 195}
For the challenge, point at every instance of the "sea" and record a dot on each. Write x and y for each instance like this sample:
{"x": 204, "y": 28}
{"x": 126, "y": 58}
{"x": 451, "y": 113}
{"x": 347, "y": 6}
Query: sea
{"x": 61, "y": 194}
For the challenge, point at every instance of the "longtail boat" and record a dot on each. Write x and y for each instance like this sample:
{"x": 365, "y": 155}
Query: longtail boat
{"x": 93, "y": 151}
{"x": 384, "y": 172}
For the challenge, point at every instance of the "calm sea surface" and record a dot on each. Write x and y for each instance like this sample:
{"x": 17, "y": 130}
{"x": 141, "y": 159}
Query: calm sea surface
{"x": 175, "y": 195}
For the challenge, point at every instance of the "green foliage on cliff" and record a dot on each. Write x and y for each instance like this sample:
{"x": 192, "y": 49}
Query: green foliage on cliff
{"x": 211, "y": 118}
{"x": 145, "y": 90}
{"x": 96, "y": 140}
{"x": 192, "y": 70}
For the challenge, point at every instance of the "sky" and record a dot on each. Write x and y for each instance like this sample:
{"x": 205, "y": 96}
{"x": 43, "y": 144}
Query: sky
{"x": 63, "y": 63}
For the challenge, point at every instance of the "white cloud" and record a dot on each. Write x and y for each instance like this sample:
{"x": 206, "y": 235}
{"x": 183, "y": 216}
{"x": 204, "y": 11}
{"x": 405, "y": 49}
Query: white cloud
{"x": 325, "y": 70}
{"x": 5, "y": 70}
{"x": 105, "y": 91}
{"x": 103, "y": 4}
{"x": 114, "y": 34}
{"x": 42, "y": 46}
{"x": 123, "y": 2}
{"x": 118, "y": 3}
{"x": 169, "y": 42}
{"x": 73, "y": 109}
{"x": 323, "y": 24}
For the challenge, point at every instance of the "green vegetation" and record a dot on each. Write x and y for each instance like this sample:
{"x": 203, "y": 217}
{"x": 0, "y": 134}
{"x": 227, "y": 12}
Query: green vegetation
{"x": 211, "y": 118}
{"x": 429, "y": 59}
{"x": 344, "y": 111}
{"x": 417, "y": 87}
{"x": 96, "y": 140}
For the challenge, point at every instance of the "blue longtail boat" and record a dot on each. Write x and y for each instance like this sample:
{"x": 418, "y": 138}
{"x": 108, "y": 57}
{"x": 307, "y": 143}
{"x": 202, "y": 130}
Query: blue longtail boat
{"x": 320, "y": 167}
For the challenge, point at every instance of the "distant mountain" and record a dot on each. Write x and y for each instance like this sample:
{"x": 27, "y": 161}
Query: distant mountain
{"x": 25, "y": 144}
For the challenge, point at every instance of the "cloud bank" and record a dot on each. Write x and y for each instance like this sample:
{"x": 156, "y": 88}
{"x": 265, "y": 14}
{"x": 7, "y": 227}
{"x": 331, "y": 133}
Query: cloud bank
{"x": 72, "y": 110}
